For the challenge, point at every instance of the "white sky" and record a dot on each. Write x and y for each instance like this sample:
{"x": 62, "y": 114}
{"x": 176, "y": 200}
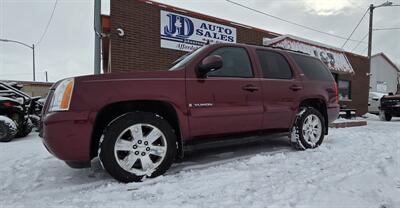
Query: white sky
{"x": 67, "y": 49}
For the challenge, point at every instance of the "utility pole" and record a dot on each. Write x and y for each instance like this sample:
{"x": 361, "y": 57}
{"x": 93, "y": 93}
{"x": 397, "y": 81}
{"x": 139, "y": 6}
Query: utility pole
{"x": 47, "y": 77}
{"x": 97, "y": 36}
{"x": 371, "y": 14}
{"x": 34, "y": 67}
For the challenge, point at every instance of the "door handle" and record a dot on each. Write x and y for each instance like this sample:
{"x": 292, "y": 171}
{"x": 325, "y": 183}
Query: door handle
{"x": 250, "y": 88}
{"x": 295, "y": 88}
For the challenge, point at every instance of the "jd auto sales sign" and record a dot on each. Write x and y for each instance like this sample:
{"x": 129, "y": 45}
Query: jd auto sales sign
{"x": 185, "y": 33}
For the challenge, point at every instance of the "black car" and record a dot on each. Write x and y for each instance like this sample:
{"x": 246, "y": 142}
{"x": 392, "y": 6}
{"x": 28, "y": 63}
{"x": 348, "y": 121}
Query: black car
{"x": 390, "y": 107}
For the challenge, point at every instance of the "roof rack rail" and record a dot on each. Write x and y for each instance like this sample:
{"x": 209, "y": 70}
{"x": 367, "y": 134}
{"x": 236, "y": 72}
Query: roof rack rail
{"x": 281, "y": 48}
{"x": 277, "y": 47}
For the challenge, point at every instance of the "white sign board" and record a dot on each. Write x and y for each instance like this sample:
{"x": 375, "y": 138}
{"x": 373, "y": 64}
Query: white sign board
{"x": 381, "y": 86}
{"x": 185, "y": 33}
{"x": 335, "y": 60}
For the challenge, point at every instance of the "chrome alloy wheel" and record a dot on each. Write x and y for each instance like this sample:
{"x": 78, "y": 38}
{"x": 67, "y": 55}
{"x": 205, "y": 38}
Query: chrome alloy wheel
{"x": 140, "y": 149}
{"x": 312, "y": 129}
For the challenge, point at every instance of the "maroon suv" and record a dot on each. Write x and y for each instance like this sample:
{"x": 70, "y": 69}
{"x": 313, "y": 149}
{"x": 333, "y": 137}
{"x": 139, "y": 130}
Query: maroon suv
{"x": 139, "y": 122}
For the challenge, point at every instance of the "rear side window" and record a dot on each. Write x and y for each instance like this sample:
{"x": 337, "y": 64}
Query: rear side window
{"x": 236, "y": 63}
{"x": 313, "y": 68}
{"x": 274, "y": 65}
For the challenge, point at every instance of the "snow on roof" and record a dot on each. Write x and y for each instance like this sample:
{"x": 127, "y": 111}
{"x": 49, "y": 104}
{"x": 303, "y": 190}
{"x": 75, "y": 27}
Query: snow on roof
{"x": 334, "y": 58}
{"x": 277, "y": 39}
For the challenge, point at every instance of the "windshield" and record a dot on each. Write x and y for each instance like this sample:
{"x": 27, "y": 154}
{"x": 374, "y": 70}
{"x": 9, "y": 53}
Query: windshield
{"x": 185, "y": 59}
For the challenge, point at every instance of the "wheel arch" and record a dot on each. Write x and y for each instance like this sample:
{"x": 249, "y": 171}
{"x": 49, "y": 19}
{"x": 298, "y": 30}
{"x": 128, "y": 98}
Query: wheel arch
{"x": 320, "y": 105}
{"x": 112, "y": 111}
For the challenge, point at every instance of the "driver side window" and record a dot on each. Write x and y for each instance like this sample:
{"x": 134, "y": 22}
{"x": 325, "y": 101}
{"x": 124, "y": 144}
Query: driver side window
{"x": 236, "y": 63}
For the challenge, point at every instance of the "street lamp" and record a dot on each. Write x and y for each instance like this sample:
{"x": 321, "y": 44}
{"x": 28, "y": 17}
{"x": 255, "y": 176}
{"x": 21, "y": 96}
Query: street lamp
{"x": 24, "y": 44}
{"x": 371, "y": 13}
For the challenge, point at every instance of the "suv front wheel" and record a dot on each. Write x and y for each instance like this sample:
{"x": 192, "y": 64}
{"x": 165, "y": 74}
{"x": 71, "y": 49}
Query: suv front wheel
{"x": 309, "y": 129}
{"x": 137, "y": 145}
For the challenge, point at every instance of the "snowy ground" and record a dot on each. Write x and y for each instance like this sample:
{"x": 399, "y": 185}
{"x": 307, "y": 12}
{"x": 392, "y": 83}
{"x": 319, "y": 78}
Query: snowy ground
{"x": 355, "y": 167}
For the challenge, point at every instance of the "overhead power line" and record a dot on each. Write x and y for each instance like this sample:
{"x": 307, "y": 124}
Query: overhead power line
{"x": 358, "y": 24}
{"x": 290, "y": 22}
{"x": 393, "y": 28}
{"x": 362, "y": 39}
{"x": 48, "y": 23}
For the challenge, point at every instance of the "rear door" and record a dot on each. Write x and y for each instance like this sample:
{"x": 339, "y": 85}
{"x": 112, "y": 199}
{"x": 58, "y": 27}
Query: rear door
{"x": 228, "y": 100}
{"x": 282, "y": 88}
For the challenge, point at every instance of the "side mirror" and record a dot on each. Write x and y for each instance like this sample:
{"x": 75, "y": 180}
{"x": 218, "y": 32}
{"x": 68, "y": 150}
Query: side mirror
{"x": 209, "y": 64}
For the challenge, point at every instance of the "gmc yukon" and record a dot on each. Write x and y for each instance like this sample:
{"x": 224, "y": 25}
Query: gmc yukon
{"x": 138, "y": 123}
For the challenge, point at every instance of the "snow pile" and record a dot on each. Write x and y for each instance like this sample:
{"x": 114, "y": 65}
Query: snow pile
{"x": 354, "y": 167}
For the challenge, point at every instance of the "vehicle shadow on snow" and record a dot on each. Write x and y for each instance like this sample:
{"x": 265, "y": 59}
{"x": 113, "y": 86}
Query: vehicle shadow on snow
{"x": 214, "y": 156}
{"x": 205, "y": 158}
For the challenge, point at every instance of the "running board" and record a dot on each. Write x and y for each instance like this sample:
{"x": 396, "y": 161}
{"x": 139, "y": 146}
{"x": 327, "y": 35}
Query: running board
{"x": 201, "y": 144}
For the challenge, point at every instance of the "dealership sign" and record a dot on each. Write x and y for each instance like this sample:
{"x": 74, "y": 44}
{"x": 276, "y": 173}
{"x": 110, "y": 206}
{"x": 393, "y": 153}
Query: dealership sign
{"x": 185, "y": 33}
{"x": 334, "y": 58}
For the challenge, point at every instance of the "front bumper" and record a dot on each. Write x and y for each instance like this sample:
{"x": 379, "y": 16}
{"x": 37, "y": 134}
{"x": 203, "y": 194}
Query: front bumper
{"x": 67, "y": 135}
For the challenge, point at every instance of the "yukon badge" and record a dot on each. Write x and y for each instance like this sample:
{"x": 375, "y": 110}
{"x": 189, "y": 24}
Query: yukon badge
{"x": 200, "y": 105}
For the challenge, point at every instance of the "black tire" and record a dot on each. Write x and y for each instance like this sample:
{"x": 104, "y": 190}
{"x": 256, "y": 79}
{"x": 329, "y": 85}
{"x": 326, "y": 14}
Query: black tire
{"x": 25, "y": 130}
{"x": 119, "y": 125}
{"x": 384, "y": 116}
{"x": 8, "y": 129}
{"x": 297, "y": 138}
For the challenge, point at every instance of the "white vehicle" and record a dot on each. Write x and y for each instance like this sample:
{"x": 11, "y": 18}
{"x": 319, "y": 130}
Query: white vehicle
{"x": 374, "y": 102}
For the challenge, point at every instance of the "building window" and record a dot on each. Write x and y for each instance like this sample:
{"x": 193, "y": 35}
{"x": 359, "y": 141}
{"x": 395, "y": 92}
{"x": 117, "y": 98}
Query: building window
{"x": 344, "y": 90}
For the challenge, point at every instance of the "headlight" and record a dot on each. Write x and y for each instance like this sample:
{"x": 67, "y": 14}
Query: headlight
{"x": 62, "y": 95}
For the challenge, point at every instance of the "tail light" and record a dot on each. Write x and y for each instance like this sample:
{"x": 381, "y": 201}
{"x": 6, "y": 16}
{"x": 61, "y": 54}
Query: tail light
{"x": 8, "y": 104}
{"x": 336, "y": 92}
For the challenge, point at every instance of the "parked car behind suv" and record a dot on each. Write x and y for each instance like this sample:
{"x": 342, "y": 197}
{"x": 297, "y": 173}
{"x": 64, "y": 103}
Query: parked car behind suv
{"x": 389, "y": 107}
{"x": 139, "y": 122}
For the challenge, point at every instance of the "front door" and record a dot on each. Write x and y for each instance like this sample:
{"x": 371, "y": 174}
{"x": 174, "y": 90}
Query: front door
{"x": 228, "y": 100}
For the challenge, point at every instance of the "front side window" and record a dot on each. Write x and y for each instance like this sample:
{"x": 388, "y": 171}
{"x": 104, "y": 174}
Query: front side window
{"x": 180, "y": 62}
{"x": 236, "y": 63}
{"x": 344, "y": 89}
{"x": 274, "y": 65}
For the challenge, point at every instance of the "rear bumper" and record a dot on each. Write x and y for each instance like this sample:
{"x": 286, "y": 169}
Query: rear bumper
{"x": 67, "y": 135}
{"x": 333, "y": 113}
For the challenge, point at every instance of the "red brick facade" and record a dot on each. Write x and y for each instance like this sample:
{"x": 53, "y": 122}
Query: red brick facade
{"x": 139, "y": 48}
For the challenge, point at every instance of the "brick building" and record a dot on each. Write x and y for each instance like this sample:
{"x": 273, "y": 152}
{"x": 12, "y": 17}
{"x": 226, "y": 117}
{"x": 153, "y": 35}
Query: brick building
{"x": 142, "y": 47}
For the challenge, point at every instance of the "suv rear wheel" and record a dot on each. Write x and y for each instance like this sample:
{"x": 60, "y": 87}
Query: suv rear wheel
{"x": 137, "y": 145}
{"x": 309, "y": 129}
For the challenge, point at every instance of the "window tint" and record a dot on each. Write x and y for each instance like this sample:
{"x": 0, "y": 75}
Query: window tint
{"x": 313, "y": 68}
{"x": 236, "y": 63}
{"x": 274, "y": 65}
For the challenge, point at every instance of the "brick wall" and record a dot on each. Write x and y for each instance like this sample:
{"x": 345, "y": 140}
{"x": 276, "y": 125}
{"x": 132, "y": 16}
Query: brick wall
{"x": 359, "y": 83}
{"x": 140, "y": 47}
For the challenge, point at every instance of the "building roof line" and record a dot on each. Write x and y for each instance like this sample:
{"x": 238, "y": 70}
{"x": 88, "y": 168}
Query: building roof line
{"x": 387, "y": 59}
